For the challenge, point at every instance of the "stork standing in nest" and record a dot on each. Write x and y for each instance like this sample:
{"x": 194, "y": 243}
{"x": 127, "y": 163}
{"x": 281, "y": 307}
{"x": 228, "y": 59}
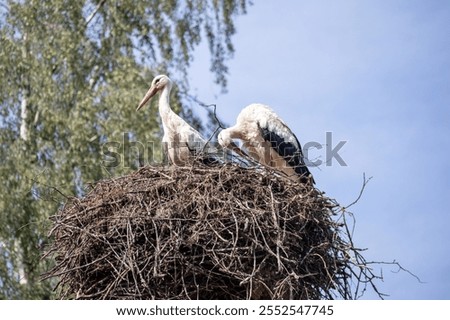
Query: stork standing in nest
{"x": 181, "y": 142}
{"x": 268, "y": 140}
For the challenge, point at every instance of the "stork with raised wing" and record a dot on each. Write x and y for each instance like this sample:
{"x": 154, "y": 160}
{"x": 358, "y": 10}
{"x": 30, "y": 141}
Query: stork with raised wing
{"x": 268, "y": 140}
{"x": 181, "y": 142}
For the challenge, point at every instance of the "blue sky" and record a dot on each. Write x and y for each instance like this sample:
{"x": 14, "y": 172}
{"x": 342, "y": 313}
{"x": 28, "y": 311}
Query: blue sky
{"x": 377, "y": 75}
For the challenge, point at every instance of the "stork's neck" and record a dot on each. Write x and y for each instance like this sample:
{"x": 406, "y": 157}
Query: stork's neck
{"x": 164, "y": 106}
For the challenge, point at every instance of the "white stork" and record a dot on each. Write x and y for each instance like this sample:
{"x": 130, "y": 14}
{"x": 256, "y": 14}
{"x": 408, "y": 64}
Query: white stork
{"x": 268, "y": 140}
{"x": 180, "y": 141}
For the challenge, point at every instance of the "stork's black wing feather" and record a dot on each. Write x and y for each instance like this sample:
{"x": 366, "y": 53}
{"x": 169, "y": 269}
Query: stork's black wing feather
{"x": 291, "y": 152}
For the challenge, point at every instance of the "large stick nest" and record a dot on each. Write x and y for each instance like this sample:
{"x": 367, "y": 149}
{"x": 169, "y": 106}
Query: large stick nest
{"x": 224, "y": 232}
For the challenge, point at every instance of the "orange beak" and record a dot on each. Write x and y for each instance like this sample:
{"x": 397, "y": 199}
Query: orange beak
{"x": 150, "y": 93}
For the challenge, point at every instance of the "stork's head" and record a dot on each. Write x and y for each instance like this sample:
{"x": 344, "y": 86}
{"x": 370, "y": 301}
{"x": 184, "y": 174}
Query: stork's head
{"x": 224, "y": 138}
{"x": 158, "y": 84}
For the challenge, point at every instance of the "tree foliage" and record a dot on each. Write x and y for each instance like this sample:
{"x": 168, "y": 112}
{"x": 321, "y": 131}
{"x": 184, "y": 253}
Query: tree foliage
{"x": 71, "y": 75}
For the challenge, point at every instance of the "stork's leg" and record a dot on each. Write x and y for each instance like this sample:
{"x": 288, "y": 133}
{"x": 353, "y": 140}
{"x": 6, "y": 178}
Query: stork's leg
{"x": 166, "y": 157}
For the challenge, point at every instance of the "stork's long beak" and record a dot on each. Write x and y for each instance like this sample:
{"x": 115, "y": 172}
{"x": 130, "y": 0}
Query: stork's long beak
{"x": 150, "y": 93}
{"x": 238, "y": 150}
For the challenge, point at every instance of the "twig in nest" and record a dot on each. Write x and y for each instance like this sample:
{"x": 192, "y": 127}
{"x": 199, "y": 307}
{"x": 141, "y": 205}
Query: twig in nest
{"x": 365, "y": 182}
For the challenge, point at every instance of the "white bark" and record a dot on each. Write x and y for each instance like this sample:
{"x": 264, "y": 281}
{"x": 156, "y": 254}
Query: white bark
{"x": 24, "y": 135}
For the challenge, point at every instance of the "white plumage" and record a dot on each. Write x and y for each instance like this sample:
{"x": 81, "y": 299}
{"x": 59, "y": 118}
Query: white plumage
{"x": 181, "y": 142}
{"x": 268, "y": 140}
